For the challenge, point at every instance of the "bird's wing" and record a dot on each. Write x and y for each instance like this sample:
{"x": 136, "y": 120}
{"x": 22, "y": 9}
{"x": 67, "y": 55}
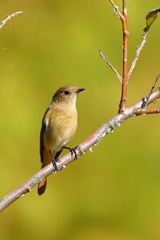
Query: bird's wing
{"x": 43, "y": 129}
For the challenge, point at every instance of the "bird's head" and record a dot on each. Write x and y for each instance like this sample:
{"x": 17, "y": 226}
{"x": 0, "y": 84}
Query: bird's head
{"x": 67, "y": 94}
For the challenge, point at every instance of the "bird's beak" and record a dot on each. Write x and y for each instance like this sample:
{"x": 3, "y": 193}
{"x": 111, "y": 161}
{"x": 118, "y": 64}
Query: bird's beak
{"x": 80, "y": 90}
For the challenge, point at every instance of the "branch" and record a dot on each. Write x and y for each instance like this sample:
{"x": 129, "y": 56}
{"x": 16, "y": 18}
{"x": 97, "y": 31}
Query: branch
{"x": 3, "y": 22}
{"x": 110, "y": 65}
{"x": 133, "y": 64}
{"x": 124, "y": 20}
{"x": 147, "y": 111}
{"x": 117, "y": 12}
{"x": 153, "y": 87}
{"x": 150, "y": 18}
{"x": 93, "y": 140}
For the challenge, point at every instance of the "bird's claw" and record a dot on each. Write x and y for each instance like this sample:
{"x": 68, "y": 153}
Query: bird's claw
{"x": 54, "y": 162}
{"x": 72, "y": 151}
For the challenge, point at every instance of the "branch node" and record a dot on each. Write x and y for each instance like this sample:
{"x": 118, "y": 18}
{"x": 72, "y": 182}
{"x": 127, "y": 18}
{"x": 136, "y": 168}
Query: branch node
{"x": 126, "y": 32}
{"x": 116, "y": 11}
{"x": 145, "y": 100}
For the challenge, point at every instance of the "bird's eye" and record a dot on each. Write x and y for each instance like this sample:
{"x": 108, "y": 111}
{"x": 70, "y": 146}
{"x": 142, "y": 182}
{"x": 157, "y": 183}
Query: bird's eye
{"x": 66, "y": 93}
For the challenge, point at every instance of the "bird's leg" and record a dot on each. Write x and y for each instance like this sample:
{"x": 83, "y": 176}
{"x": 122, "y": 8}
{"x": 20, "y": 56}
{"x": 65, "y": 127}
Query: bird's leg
{"x": 72, "y": 151}
{"x": 57, "y": 155}
{"x": 54, "y": 162}
{"x": 55, "y": 159}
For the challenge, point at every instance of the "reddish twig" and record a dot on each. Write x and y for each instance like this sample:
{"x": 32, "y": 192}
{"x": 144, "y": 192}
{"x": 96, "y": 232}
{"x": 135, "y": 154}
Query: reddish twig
{"x": 123, "y": 100}
{"x": 126, "y": 72}
{"x": 123, "y": 18}
{"x": 147, "y": 111}
{"x": 93, "y": 140}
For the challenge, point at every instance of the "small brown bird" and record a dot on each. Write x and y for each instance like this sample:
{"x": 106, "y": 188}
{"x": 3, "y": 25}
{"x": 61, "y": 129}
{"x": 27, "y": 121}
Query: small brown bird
{"x": 58, "y": 127}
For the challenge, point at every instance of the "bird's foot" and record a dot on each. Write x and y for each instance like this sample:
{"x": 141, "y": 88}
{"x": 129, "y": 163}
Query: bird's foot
{"x": 72, "y": 151}
{"x": 54, "y": 162}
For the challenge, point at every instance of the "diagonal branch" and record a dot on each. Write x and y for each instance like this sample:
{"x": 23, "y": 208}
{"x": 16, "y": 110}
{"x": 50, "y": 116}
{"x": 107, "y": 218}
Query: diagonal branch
{"x": 110, "y": 65}
{"x": 133, "y": 64}
{"x": 153, "y": 87}
{"x": 93, "y": 140}
{"x": 3, "y": 22}
{"x": 117, "y": 12}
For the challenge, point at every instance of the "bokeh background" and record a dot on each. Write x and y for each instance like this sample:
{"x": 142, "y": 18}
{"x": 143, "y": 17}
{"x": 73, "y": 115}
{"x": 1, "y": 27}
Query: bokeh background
{"x": 114, "y": 192}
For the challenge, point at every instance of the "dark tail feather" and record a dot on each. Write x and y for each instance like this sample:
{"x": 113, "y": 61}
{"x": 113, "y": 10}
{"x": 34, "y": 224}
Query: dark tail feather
{"x": 42, "y": 186}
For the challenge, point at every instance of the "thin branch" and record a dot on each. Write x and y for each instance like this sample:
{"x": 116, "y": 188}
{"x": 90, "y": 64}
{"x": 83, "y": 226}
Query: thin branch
{"x": 144, "y": 111}
{"x": 147, "y": 111}
{"x": 124, "y": 19}
{"x": 150, "y": 18}
{"x": 110, "y": 65}
{"x": 153, "y": 87}
{"x": 93, "y": 140}
{"x": 116, "y": 11}
{"x": 137, "y": 54}
{"x": 124, "y": 6}
{"x": 3, "y": 22}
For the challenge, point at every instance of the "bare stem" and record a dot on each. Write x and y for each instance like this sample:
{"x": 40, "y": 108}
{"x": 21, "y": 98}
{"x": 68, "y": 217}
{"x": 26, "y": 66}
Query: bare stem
{"x": 147, "y": 98}
{"x": 3, "y": 22}
{"x": 117, "y": 12}
{"x": 147, "y": 111}
{"x": 124, "y": 20}
{"x": 110, "y": 65}
{"x": 137, "y": 54}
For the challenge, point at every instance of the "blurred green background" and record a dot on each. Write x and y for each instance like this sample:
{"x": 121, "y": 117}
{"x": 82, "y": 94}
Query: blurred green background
{"x": 113, "y": 193}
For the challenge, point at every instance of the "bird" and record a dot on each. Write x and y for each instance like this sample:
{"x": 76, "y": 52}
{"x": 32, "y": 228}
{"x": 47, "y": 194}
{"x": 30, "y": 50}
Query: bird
{"x": 59, "y": 125}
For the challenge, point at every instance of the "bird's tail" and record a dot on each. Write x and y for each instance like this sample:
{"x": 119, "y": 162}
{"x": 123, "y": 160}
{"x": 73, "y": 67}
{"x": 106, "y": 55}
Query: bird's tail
{"x": 42, "y": 186}
{"x": 45, "y": 161}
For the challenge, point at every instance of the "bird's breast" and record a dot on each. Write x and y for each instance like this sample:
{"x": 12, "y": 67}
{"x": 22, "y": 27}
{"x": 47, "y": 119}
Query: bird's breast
{"x": 60, "y": 129}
